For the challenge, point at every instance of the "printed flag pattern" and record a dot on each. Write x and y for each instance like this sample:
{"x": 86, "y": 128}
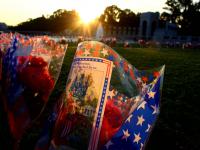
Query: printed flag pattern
{"x": 124, "y": 71}
{"x": 134, "y": 132}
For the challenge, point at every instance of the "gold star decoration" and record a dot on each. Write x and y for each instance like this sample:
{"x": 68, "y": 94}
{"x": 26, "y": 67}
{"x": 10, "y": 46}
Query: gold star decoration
{"x": 111, "y": 94}
{"x": 104, "y": 52}
{"x": 151, "y": 94}
{"x": 137, "y": 138}
{"x": 126, "y": 134}
{"x": 140, "y": 120}
{"x": 86, "y": 53}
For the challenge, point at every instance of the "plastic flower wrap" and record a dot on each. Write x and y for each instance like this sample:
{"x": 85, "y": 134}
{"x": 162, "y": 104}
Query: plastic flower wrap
{"x": 1, "y": 54}
{"x": 109, "y": 104}
{"x": 5, "y": 41}
{"x": 31, "y": 67}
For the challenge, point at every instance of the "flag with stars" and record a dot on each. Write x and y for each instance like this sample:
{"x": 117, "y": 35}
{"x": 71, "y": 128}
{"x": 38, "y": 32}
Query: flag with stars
{"x": 136, "y": 129}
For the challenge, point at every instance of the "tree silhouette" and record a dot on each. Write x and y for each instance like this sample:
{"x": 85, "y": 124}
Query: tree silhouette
{"x": 57, "y": 22}
{"x": 62, "y": 20}
{"x": 184, "y": 13}
{"x": 114, "y": 16}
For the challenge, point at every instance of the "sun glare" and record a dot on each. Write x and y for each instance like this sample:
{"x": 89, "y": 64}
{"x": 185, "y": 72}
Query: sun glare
{"x": 89, "y": 11}
{"x": 87, "y": 17}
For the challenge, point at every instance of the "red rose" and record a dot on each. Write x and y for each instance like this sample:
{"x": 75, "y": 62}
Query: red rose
{"x": 35, "y": 75}
{"x": 112, "y": 121}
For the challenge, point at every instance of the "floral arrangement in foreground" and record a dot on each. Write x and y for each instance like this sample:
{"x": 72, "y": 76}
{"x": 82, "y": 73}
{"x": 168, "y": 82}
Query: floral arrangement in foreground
{"x": 107, "y": 103}
{"x": 30, "y": 69}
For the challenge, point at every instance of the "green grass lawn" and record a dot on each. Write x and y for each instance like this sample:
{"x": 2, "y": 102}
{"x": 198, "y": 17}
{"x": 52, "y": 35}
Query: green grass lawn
{"x": 178, "y": 126}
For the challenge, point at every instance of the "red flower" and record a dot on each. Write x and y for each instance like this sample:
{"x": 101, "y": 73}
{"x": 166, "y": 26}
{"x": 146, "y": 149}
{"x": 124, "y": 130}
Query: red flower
{"x": 112, "y": 121}
{"x": 32, "y": 61}
{"x": 35, "y": 75}
{"x": 144, "y": 79}
{"x": 156, "y": 74}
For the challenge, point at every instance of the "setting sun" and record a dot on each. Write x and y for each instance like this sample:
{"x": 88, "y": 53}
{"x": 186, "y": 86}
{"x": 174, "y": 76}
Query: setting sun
{"x": 87, "y": 17}
{"x": 89, "y": 10}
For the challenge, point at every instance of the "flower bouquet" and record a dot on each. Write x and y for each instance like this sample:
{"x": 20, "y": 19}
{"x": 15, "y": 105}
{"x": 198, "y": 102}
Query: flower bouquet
{"x": 109, "y": 104}
{"x": 31, "y": 66}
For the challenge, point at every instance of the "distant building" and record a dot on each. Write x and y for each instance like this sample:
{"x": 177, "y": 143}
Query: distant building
{"x": 165, "y": 32}
{"x": 150, "y": 28}
{"x": 148, "y": 24}
{"x": 121, "y": 32}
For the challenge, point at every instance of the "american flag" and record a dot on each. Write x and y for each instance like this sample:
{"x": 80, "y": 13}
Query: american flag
{"x": 135, "y": 131}
{"x": 10, "y": 71}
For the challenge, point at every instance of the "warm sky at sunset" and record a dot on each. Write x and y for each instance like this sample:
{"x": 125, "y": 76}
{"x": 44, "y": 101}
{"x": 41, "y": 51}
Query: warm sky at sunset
{"x": 13, "y": 12}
